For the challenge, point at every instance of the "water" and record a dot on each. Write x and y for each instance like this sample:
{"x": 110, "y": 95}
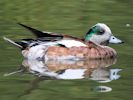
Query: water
{"x": 72, "y": 17}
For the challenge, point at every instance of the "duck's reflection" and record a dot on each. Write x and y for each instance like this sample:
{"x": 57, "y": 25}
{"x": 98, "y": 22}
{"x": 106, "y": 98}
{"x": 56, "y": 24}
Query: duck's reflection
{"x": 97, "y": 70}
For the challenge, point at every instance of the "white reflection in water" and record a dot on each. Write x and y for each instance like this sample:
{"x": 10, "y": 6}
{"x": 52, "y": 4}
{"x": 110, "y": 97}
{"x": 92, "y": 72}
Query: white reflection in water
{"x": 97, "y": 70}
{"x": 103, "y": 89}
{"x": 67, "y": 69}
{"x": 102, "y": 75}
{"x": 72, "y": 74}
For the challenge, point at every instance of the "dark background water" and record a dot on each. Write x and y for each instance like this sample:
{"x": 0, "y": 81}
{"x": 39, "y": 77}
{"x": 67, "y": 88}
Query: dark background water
{"x": 72, "y": 17}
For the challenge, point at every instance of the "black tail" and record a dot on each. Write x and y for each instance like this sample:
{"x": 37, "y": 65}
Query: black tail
{"x": 38, "y": 33}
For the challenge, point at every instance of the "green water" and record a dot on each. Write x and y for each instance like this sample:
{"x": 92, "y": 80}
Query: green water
{"x": 72, "y": 17}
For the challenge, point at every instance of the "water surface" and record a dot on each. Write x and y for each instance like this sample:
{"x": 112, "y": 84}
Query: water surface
{"x": 72, "y": 17}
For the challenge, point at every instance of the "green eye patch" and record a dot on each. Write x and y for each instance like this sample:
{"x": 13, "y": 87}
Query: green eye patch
{"x": 92, "y": 31}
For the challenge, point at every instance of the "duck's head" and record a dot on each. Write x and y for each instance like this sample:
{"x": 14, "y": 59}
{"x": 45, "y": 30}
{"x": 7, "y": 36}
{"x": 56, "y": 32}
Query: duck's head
{"x": 101, "y": 34}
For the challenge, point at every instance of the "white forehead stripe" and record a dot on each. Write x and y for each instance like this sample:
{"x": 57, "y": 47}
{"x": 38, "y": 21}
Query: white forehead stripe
{"x": 104, "y": 26}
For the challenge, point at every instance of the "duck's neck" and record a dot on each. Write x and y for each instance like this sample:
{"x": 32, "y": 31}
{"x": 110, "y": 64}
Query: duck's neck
{"x": 105, "y": 43}
{"x": 89, "y": 35}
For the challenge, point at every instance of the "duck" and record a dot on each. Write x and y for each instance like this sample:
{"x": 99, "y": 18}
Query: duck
{"x": 54, "y": 46}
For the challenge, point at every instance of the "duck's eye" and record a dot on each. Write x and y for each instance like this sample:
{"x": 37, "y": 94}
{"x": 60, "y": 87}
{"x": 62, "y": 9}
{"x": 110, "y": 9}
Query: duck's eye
{"x": 100, "y": 32}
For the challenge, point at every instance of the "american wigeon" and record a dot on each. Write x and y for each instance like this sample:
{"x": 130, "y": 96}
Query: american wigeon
{"x": 50, "y": 45}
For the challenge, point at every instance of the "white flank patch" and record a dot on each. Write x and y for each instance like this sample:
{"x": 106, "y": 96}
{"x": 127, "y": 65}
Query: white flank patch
{"x": 71, "y": 43}
{"x": 36, "y": 52}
